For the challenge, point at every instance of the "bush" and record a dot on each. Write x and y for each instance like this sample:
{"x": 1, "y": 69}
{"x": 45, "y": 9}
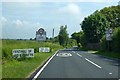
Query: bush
{"x": 114, "y": 44}
{"x": 104, "y": 43}
{"x": 116, "y": 40}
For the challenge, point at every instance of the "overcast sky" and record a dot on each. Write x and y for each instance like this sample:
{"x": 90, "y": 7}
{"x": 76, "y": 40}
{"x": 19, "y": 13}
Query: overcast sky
{"x": 23, "y": 19}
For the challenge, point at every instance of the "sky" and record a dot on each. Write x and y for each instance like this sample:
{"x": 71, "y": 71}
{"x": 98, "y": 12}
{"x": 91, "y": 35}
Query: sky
{"x": 21, "y": 20}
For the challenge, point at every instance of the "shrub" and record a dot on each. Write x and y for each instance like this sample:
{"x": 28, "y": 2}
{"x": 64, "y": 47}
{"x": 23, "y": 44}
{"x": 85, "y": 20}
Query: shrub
{"x": 104, "y": 43}
{"x": 116, "y": 40}
{"x": 114, "y": 44}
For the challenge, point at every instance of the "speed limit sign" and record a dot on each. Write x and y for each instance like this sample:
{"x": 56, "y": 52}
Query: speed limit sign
{"x": 41, "y": 31}
{"x": 110, "y": 30}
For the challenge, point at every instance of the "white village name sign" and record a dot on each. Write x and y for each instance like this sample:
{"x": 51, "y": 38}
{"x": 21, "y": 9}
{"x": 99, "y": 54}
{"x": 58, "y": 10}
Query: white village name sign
{"x": 44, "y": 49}
{"x": 19, "y": 53}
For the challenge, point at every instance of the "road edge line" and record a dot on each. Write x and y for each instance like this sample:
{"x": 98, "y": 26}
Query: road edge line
{"x": 39, "y": 72}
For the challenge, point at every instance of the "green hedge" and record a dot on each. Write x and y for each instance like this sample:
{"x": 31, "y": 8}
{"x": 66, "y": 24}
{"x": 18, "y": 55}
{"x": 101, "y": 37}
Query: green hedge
{"x": 114, "y": 44}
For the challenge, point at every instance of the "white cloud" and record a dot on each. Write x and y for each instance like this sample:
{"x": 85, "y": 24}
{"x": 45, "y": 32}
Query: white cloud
{"x": 19, "y": 29}
{"x": 3, "y": 19}
{"x": 18, "y": 22}
{"x": 70, "y": 9}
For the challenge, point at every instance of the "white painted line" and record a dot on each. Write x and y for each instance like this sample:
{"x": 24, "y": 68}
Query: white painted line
{"x": 79, "y": 55}
{"x": 93, "y": 63}
{"x": 43, "y": 67}
{"x": 110, "y": 73}
{"x": 70, "y": 54}
{"x": 64, "y": 54}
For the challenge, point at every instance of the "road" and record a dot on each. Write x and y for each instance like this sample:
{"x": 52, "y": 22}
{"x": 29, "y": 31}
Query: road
{"x": 71, "y": 63}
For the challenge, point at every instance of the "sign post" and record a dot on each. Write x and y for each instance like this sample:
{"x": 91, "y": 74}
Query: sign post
{"x": 109, "y": 33}
{"x": 41, "y": 36}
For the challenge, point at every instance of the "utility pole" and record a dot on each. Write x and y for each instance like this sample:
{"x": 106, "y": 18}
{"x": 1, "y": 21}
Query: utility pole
{"x": 53, "y": 36}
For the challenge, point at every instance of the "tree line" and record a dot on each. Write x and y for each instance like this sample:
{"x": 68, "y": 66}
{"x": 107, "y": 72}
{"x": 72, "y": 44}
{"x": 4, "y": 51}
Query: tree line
{"x": 94, "y": 27}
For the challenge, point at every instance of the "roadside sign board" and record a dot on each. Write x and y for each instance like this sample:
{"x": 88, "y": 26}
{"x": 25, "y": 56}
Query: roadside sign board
{"x": 108, "y": 36}
{"x": 110, "y": 30}
{"x": 44, "y": 49}
{"x": 41, "y": 31}
{"x": 19, "y": 53}
{"x": 41, "y": 35}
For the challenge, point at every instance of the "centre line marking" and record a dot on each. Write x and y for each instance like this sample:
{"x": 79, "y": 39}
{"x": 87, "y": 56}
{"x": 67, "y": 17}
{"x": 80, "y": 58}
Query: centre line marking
{"x": 44, "y": 67}
{"x": 93, "y": 63}
{"x": 79, "y": 55}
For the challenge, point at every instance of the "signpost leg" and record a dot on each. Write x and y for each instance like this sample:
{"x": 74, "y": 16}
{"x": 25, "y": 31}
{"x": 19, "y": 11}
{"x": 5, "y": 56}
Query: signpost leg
{"x": 108, "y": 46}
{"x": 43, "y": 43}
{"x": 38, "y": 44}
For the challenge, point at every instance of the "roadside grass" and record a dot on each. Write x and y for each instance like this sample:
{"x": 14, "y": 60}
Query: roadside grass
{"x": 109, "y": 54}
{"x": 12, "y": 68}
{"x": 22, "y": 69}
{"x": 104, "y": 53}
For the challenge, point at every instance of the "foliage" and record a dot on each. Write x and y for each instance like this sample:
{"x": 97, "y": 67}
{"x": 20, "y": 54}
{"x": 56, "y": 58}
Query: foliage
{"x": 112, "y": 14}
{"x": 94, "y": 27}
{"x": 63, "y": 36}
{"x": 71, "y": 43}
{"x": 56, "y": 39}
{"x": 77, "y": 36}
{"x": 80, "y": 38}
{"x": 115, "y": 43}
{"x": 104, "y": 43}
{"x": 22, "y": 68}
{"x": 116, "y": 40}
{"x": 9, "y": 45}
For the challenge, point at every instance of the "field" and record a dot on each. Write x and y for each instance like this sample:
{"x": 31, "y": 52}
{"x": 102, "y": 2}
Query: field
{"x": 12, "y": 68}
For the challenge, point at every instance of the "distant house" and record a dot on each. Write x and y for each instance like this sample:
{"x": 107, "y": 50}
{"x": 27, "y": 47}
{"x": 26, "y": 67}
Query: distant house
{"x": 119, "y": 3}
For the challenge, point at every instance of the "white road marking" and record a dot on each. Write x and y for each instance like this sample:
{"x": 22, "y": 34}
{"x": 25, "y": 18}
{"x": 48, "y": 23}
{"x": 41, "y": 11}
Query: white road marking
{"x": 79, "y": 55}
{"x": 93, "y": 63}
{"x": 64, "y": 54}
{"x": 43, "y": 67}
{"x": 110, "y": 73}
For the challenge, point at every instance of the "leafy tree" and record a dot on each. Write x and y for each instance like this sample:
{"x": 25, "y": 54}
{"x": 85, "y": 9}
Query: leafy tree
{"x": 94, "y": 27}
{"x": 56, "y": 39}
{"x": 63, "y": 36}
{"x": 71, "y": 42}
{"x": 79, "y": 37}
{"x": 112, "y": 14}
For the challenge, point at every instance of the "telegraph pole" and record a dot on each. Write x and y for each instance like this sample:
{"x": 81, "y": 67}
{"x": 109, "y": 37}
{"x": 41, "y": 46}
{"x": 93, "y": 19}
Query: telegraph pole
{"x": 53, "y": 36}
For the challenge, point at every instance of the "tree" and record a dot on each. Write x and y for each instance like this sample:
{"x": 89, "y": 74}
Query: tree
{"x": 79, "y": 37}
{"x": 112, "y": 14}
{"x": 63, "y": 36}
{"x": 56, "y": 39}
{"x": 94, "y": 27}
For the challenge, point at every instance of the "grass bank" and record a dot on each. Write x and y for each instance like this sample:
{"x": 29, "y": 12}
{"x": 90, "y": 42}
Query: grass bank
{"x": 104, "y": 53}
{"x": 12, "y": 68}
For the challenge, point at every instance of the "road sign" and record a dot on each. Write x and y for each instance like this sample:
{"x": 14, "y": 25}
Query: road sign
{"x": 41, "y": 31}
{"x": 44, "y": 49}
{"x": 108, "y": 36}
{"x": 41, "y": 35}
{"x": 19, "y": 53}
{"x": 110, "y": 30}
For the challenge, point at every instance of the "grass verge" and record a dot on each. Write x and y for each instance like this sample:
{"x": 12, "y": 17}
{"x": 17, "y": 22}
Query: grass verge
{"x": 12, "y": 68}
{"x": 109, "y": 54}
{"x": 22, "y": 69}
{"x": 104, "y": 53}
